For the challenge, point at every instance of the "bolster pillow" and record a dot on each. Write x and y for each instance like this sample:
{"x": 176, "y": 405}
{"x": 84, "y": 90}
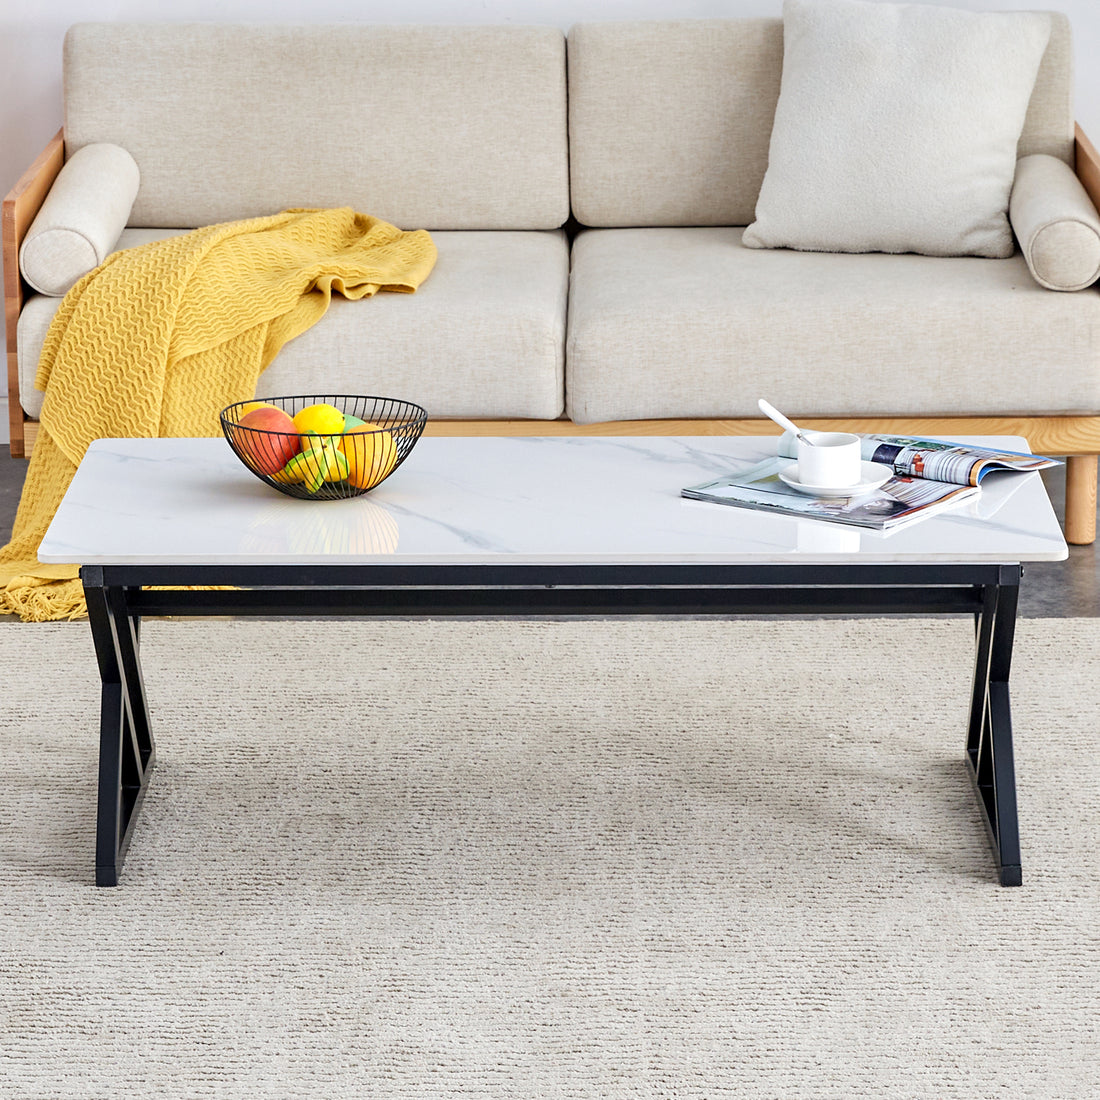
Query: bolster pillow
{"x": 1056, "y": 224}
{"x": 81, "y": 219}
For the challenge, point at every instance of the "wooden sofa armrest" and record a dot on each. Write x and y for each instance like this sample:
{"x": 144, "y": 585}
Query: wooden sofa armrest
{"x": 1087, "y": 165}
{"x": 1081, "y": 472}
{"x": 21, "y": 204}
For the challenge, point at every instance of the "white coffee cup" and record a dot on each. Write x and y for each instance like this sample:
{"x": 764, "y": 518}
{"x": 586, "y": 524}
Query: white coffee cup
{"x": 830, "y": 460}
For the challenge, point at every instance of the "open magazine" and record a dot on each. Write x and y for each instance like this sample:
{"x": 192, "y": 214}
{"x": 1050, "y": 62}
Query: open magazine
{"x": 935, "y": 459}
{"x": 929, "y": 475}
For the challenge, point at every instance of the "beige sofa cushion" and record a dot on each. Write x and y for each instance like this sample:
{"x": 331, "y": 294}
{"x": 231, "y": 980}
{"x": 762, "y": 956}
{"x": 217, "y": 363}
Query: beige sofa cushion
{"x": 669, "y": 121}
{"x": 79, "y": 223}
{"x": 436, "y": 127}
{"x": 687, "y": 323}
{"x": 896, "y": 128}
{"x": 483, "y": 337}
{"x": 1056, "y": 224}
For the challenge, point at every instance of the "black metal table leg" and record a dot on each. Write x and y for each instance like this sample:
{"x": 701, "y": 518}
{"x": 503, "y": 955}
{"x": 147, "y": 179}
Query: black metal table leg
{"x": 989, "y": 739}
{"x": 126, "y": 749}
{"x": 118, "y": 596}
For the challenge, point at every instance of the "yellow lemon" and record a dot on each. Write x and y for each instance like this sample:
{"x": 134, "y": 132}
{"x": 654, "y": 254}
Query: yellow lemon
{"x": 323, "y": 418}
{"x": 371, "y": 454}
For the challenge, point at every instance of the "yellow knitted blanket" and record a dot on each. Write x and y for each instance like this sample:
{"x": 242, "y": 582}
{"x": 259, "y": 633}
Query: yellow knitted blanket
{"x": 159, "y": 338}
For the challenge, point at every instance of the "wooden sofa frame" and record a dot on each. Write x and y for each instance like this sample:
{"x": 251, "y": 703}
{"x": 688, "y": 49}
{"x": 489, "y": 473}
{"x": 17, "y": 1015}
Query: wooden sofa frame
{"x": 1076, "y": 437}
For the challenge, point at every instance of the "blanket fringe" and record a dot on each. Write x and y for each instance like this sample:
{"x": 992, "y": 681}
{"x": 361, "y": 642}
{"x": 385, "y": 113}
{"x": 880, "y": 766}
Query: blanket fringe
{"x": 36, "y": 600}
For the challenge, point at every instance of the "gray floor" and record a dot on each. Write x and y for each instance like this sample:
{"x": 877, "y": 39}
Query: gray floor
{"x": 1050, "y": 589}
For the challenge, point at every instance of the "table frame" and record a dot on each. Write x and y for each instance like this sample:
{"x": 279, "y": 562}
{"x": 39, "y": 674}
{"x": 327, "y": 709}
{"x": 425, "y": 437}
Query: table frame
{"x": 118, "y": 599}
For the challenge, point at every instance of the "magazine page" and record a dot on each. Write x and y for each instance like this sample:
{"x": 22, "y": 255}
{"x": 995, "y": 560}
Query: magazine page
{"x": 936, "y": 459}
{"x": 899, "y": 501}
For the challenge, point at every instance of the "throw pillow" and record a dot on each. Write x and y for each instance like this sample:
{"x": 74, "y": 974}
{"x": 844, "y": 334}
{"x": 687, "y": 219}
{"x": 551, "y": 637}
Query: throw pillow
{"x": 896, "y": 128}
{"x": 1056, "y": 224}
{"x": 80, "y": 222}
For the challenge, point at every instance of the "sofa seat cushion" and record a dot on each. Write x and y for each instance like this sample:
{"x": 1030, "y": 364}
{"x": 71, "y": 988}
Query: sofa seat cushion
{"x": 483, "y": 337}
{"x": 689, "y": 323}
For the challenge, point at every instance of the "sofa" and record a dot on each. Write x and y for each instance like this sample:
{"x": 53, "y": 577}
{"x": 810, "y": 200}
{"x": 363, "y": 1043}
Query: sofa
{"x": 589, "y": 195}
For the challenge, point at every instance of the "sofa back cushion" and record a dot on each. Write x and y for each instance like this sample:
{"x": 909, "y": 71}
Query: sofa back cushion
{"x": 669, "y": 121}
{"x": 435, "y": 127}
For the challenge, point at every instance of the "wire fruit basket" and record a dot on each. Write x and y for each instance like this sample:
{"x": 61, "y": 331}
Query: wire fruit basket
{"x": 323, "y": 447}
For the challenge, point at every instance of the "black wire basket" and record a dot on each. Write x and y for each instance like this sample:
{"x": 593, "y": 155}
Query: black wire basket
{"x": 343, "y": 460}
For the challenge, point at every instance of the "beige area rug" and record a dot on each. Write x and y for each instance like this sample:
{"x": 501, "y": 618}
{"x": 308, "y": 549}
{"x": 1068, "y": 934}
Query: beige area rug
{"x": 533, "y": 860}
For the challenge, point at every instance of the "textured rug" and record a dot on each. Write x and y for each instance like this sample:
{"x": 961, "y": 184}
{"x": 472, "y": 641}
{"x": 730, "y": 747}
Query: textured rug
{"x": 535, "y": 860}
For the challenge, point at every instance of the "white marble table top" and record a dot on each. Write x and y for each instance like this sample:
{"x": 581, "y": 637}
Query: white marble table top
{"x": 517, "y": 500}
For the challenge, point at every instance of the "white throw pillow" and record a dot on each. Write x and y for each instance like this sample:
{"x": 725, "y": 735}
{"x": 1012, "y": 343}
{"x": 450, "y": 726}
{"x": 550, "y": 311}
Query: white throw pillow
{"x": 896, "y": 128}
{"x": 80, "y": 222}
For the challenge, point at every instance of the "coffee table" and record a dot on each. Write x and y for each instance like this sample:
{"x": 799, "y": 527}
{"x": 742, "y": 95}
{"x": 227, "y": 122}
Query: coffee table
{"x": 522, "y": 526}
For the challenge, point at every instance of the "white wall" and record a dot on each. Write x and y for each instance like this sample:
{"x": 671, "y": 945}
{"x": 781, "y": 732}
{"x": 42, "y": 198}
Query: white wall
{"x": 30, "y": 46}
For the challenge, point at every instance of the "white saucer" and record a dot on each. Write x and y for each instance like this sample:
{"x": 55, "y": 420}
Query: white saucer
{"x": 874, "y": 474}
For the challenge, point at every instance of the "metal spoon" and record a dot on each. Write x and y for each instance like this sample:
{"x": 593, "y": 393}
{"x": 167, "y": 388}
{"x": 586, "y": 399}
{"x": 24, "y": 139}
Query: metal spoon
{"x": 773, "y": 413}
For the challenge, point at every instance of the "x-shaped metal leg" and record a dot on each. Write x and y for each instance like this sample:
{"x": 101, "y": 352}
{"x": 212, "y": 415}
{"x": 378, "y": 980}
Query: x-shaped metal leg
{"x": 126, "y": 741}
{"x": 126, "y": 749}
{"x": 989, "y": 740}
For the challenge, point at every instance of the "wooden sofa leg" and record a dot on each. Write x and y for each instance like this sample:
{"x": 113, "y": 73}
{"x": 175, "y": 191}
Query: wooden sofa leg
{"x": 1081, "y": 499}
